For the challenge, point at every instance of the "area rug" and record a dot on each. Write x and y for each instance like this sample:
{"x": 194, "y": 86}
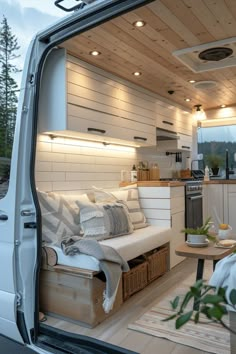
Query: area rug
{"x": 210, "y": 337}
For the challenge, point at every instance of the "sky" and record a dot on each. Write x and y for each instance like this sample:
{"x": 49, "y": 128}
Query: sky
{"x": 222, "y": 133}
{"x": 26, "y": 18}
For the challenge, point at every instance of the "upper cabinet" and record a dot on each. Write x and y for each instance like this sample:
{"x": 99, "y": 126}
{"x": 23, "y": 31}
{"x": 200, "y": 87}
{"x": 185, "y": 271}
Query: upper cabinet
{"x": 182, "y": 142}
{"x": 173, "y": 119}
{"x": 80, "y": 100}
{"x": 176, "y": 121}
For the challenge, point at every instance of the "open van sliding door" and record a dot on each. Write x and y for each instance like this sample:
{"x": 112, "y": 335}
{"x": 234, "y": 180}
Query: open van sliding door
{"x": 16, "y": 210}
{"x": 20, "y": 218}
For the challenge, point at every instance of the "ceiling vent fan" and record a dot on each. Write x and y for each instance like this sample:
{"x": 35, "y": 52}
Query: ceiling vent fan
{"x": 209, "y": 56}
{"x": 215, "y": 54}
{"x": 205, "y": 85}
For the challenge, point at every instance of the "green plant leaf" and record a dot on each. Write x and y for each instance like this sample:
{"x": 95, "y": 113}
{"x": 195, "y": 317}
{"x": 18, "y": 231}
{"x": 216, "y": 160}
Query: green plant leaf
{"x": 203, "y": 230}
{"x": 175, "y": 303}
{"x": 212, "y": 299}
{"x": 199, "y": 284}
{"x": 169, "y": 318}
{"x": 196, "y": 317}
{"x": 187, "y": 298}
{"x": 183, "y": 319}
{"x": 216, "y": 312}
{"x": 195, "y": 291}
{"x": 232, "y": 296}
{"x": 205, "y": 310}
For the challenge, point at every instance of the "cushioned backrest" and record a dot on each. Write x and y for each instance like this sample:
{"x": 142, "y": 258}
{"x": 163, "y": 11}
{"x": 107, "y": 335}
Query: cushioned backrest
{"x": 104, "y": 220}
{"x": 60, "y": 215}
{"x": 130, "y": 197}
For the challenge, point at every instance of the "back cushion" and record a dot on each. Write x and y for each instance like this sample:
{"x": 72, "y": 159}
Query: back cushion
{"x": 130, "y": 197}
{"x": 60, "y": 215}
{"x": 104, "y": 220}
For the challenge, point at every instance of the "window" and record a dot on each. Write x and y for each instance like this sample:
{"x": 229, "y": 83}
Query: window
{"x": 213, "y": 143}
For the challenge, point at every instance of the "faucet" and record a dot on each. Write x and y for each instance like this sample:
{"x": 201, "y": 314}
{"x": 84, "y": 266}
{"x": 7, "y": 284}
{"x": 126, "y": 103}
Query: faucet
{"x": 226, "y": 164}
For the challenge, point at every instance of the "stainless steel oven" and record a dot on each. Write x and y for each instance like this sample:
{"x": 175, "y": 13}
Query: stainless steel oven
{"x": 193, "y": 204}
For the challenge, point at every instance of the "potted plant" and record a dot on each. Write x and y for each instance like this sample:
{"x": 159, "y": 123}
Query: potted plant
{"x": 212, "y": 304}
{"x": 199, "y": 234}
{"x": 214, "y": 162}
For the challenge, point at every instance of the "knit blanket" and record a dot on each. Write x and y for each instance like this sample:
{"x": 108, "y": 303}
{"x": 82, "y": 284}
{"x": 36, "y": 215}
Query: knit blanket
{"x": 224, "y": 275}
{"x": 111, "y": 263}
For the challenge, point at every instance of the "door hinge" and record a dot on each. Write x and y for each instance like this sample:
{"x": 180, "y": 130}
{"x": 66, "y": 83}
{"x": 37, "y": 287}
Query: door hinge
{"x": 18, "y": 299}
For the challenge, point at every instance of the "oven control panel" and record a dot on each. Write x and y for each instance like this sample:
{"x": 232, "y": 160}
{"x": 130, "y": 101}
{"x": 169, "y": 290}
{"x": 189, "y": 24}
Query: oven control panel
{"x": 193, "y": 187}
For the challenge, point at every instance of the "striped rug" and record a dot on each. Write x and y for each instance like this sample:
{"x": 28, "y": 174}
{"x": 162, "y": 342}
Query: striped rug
{"x": 208, "y": 337}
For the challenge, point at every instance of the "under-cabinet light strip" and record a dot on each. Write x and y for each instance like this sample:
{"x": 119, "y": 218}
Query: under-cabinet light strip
{"x": 53, "y": 136}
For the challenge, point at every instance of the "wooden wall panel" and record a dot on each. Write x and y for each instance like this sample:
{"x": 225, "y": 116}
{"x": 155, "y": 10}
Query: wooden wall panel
{"x": 170, "y": 26}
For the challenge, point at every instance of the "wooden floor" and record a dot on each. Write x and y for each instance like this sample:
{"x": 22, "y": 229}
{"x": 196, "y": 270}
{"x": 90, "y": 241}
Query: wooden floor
{"x": 114, "y": 330}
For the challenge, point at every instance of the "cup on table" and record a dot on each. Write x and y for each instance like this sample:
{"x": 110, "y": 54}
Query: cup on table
{"x": 225, "y": 234}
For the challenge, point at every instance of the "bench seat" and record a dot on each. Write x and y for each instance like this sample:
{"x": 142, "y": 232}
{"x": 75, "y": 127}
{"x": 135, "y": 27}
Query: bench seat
{"x": 128, "y": 246}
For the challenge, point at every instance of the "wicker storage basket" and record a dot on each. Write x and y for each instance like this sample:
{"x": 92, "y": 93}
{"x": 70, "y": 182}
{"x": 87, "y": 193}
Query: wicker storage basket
{"x": 157, "y": 262}
{"x": 136, "y": 278}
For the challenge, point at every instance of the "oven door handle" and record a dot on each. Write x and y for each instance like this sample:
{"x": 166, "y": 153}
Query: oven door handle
{"x": 195, "y": 197}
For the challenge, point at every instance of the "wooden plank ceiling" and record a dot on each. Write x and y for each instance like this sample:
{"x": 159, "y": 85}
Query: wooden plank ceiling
{"x": 170, "y": 25}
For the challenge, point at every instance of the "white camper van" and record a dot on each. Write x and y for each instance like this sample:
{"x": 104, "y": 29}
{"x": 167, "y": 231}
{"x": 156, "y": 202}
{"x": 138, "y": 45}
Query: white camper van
{"x": 101, "y": 95}
{"x": 20, "y": 212}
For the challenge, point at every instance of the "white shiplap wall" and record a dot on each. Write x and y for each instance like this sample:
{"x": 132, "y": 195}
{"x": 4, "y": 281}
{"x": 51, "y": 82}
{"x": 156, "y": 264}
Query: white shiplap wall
{"x": 69, "y": 165}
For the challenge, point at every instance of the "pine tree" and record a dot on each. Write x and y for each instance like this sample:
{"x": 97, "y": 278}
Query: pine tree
{"x": 8, "y": 88}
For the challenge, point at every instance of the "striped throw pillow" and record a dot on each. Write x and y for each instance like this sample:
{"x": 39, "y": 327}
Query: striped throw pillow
{"x": 128, "y": 196}
{"x": 104, "y": 220}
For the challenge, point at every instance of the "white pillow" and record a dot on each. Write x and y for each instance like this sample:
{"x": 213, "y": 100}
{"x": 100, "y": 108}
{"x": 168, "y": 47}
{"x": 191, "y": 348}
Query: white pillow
{"x": 128, "y": 196}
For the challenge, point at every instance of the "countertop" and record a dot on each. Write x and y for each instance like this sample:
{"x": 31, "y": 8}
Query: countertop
{"x": 174, "y": 183}
{"x": 154, "y": 184}
{"x": 220, "y": 181}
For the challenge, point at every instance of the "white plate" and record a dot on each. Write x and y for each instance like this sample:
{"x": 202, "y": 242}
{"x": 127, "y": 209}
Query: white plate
{"x": 222, "y": 246}
{"x": 203, "y": 244}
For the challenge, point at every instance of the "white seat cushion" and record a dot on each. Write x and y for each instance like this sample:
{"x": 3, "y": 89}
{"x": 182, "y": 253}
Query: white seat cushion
{"x": 139, "y": 242}
{"x": 128, "y": 246}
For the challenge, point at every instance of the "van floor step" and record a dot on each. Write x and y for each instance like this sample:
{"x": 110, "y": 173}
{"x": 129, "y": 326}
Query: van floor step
{"x": 63, "y": 342}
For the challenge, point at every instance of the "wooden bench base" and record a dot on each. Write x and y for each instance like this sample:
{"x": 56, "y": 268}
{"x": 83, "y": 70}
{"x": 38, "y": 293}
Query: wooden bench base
{"x": 76, "y": 294}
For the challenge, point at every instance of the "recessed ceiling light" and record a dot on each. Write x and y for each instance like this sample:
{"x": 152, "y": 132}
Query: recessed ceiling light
{"x": 139, "y": 23}
{"x": 191, "y": 81}
{"x": 137, "y": 73}
{"x": 94, "y": 53}
{"x": 187, "y": 99}
{"x": 223, "y": 106}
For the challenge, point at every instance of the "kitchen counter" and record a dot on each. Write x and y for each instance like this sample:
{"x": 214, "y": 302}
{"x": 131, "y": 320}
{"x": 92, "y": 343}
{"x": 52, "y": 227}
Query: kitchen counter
{"x": 154, "y": 184}
{"x": 174, "y": 183}
{"x": 220, "y": 181}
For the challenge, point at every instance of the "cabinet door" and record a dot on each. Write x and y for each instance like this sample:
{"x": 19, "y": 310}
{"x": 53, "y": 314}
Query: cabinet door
{"x": 177, "y": 238}
{"x": 231, "y": 211}
{"x": 84, "y": 120}
{"x": 214, "y": 206}
{"x": 167, "y": 124}
{"x": 173, "y": 119}
{"x": 185, "y": 142}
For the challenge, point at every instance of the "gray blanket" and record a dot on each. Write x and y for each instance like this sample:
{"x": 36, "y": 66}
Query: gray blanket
{"x": 111, "y": 263}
